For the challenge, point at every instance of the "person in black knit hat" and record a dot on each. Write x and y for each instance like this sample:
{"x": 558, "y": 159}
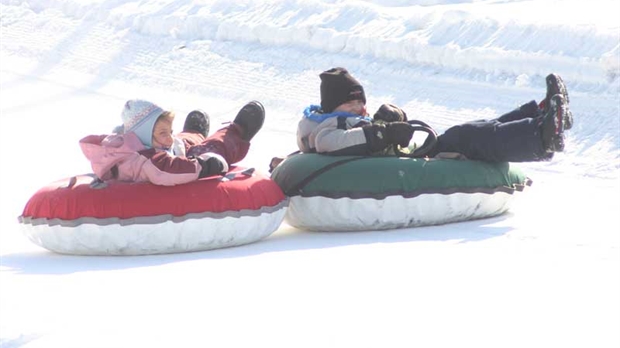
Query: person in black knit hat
{"x": 341, "y": 126}
{"x": 343, "y": 109}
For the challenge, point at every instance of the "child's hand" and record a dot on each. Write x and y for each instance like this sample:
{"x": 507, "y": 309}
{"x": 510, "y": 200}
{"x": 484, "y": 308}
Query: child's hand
{"x": 399, "y": 133}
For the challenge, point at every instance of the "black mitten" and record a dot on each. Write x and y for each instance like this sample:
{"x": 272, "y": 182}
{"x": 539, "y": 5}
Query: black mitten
{"x": 376, "y": 137}
{"x": 399, "y": 133}
{"x": 380, "y": 136}
{"x": 390, "y": 113}
{"x": 211, "y": 166}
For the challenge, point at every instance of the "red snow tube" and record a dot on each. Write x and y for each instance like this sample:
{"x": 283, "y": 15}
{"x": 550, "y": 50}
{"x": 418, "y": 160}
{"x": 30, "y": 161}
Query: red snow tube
{"x": 80, "y": 215}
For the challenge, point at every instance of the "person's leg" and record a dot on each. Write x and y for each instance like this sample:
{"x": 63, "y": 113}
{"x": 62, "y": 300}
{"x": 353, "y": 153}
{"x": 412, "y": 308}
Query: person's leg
{"x": 226, "y": 142}
{"x": 492, "y": 141}
{"x": 233, "y": 142}
{"x": 528, "y": 110}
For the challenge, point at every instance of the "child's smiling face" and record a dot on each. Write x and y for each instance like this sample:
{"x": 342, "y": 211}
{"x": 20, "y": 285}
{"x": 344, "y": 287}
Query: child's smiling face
{"x": 162, "y": 134}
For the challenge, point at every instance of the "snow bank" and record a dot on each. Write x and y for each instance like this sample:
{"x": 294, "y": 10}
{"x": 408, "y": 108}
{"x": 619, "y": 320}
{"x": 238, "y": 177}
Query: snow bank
{"x": 481, "y": 40}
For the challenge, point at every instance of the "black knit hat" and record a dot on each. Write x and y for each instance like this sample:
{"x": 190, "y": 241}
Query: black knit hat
{"x": 339, "y": 87}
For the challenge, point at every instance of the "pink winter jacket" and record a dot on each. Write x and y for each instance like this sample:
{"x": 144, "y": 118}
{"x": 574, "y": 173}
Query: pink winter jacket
{"x": 135, "y": 162}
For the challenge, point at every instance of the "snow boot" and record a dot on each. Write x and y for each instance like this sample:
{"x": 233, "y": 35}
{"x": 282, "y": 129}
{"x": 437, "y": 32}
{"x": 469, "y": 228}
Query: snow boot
{"x": 251, "y": 118}
{"x": 197, "y": 121}
{"x": 555, "y": 85}
{"x": 553, "y": 124}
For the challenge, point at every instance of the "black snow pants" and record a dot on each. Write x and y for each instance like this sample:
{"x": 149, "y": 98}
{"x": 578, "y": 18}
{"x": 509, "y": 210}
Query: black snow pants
{"x": 512, "y": 137}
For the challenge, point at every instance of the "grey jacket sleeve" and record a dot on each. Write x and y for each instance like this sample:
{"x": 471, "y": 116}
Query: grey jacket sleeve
{"x": 327, "y": 137}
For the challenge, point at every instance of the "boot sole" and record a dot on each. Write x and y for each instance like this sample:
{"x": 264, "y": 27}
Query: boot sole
{"x": 555, "y": 80}
{"x": 558, "y": 139}
{"x": 260, "y": 115}
{"x": 197, "y": 114}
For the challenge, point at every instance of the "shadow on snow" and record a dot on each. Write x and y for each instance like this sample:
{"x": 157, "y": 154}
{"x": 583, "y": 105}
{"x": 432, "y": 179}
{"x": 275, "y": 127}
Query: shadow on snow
{"x": 283, "y": 240}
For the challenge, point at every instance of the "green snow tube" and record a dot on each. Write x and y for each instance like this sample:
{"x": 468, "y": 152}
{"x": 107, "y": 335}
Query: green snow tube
{"x": 354, "y": 193}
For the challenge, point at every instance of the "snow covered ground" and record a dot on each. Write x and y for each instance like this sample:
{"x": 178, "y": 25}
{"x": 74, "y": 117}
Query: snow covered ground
{"x": 547, "y": 274}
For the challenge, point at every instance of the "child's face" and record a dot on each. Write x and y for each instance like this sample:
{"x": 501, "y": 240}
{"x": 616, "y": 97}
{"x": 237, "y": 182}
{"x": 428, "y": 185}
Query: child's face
{"x": 162, "y": 134}
{"x": 354, "y": 106}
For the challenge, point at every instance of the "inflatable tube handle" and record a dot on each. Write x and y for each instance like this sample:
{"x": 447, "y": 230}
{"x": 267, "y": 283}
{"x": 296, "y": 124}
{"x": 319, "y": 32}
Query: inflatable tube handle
{"x": 98, "y": 184}
{"x": 429, "y": 144}
{"x": 72, "y": 182}
{"x": 231, "y": 175}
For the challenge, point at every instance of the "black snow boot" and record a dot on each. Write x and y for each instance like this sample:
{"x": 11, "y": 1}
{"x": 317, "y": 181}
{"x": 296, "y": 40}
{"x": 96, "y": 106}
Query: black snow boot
{"x": 197, "y": 121}
{"x": 555, "y": 85}
{"x": 251, "y": 118}
{"x": 552, "y": 128}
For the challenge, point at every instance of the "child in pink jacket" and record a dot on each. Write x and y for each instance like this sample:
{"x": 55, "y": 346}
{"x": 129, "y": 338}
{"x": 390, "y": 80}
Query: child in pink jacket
{"x": 147, "y": 151}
